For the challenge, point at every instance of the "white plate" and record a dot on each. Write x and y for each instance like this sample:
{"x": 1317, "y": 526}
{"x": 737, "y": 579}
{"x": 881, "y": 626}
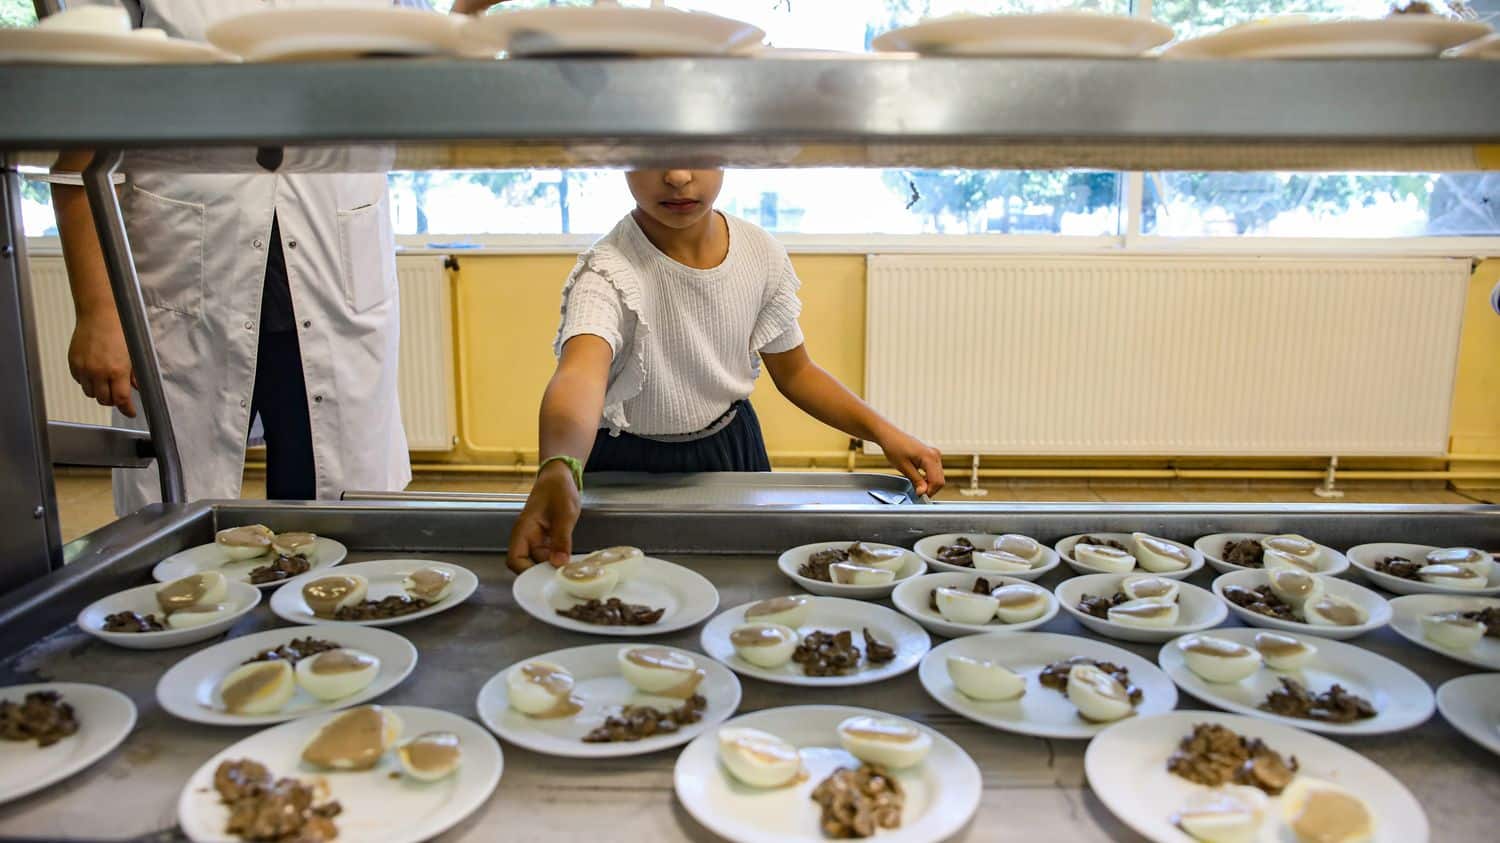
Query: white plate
{"x": 1332, "y": 563}
{"x": 927, "y": 548}
{"x": 190, "y": 689}
{"x": 1401, "y": 698}
{"x": 54, "y": 46}
{"x": 376, "y": 806}
{"x": 1064, "y": 549}
{"x": 1472, "y": 705}
{"x": 1374, "y": 605}
{"x": 911, "y": 565}
{"x": 614, "y": 30}
{"x": 913, "y": 599}
{"x": 1364, "y": 557}
{"x": 1406, "y": 619}
{"x": 1400, "y": 36}
{"x": 1042, "y": 712}
{"x": 385, "y": 576}
{"x": 105, "y": 718}
{"x": 942, "y": 793}
{"x": 242, "y": 596}
{"x": 1040, "y": 34}
{"x": 686, "y": 595}
{"x": 1487, "y": 47}
{"x": 601, "y": 691}
{"x": 830, "y": 614}
{"x": 210, "y": 557}
{"x": 329, "y": 34}
{"x": 1198, "y": 609}
{"x": 1127, "y": 767}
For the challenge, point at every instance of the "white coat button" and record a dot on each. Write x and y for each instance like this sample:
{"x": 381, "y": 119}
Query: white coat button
{"x": 317, "y": 399}
{"x": 307, "y": 323}
{"x": 291, "y": 244}
{"x": 249, "y": 326}
{"x": 256, "y": 243}
{"x": 244, "y": 403}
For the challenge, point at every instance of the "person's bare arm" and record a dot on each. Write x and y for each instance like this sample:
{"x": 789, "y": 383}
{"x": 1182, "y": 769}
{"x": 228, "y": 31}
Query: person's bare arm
{"x": 821, "y": 396}
{"x": 473, "y": 7}
{"x": 569, "y": 421}
{"x": 97, "y": 356}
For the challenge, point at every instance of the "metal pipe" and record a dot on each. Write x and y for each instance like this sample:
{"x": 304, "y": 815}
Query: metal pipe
{"x": 109, "y": 222}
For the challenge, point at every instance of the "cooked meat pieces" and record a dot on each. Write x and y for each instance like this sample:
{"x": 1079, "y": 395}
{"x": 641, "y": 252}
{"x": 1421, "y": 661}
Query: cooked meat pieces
{"x": 1335, "y": 705}
{"x": 272, "y": 811}
{"x": 875, "y": 651}
{"x": 132, "y": 622}
{"x": 1055, "y": 676}
{"x": 816, "y": 566}
{"x": 635, "y": 722}
{"x": 961, "y": 552}
{"x": 1247, "y": 553}
{"x": 1214, "y": 755}
{"x": 859, "y": 802}
{"x": 1261, "y": 600}
{"x": 981, "y": 586}
{"x": 42, "y": 717}
{"x": 284, "y": 568}
{"x": 393, "y": 606}
{"x": 827, "y": 653}
{"x": 1398, "y": 566}
{"x": 1100, "y": 540}
{"x": 1490, "y": 617}
{"x": 295, "y": 650}
{"x": 1099, "y": 606}
{"x": 613, "y": 612}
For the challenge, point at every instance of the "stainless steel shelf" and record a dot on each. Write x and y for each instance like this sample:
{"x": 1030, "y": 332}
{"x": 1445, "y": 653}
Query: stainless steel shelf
{"x": 788, "y": 112}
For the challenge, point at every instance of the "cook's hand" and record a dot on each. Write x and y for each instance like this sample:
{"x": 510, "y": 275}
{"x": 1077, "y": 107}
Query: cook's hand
{"x": 100, "y": 362}
{"x": 921, "y": 463}
{"x": 544, "y": 530}
{"x": 473, "y": 7}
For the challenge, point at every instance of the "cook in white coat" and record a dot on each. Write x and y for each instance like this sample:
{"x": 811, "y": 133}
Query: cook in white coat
{"x": 201, "y": 245}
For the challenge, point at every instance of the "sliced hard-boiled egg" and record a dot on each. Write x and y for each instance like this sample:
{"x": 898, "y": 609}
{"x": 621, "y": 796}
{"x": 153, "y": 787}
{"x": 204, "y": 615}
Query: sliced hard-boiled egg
{"x": 1275, "y": 560}
{"x": 247, "y": 542}
{"x": 1467, "y": 557}
{"x": 1020, "y": 602}
{"x": 1453, "y": 576}
{"x": 1299, "y": 547}
{"x": 848, "y": 573}
{"x": 767, "y": 645}
{"x": 1283, "y": 652}
{"x": 540, "y": 689}
{"x": 1098, "y": 696}
{"x": 1025, "y": 547}
{"x": 1150, "y": 587}
{"x": 889, "y": 741}
{"x": 960, "y": 605}
{"x": 623, "y": 558}
{"x": 1295, "y": 585}
{"x": 790, "y": 610}
{"x": 200, "y": 615}
{"x": 1108, "y": 559}
{"x": 587, "y": 580}
{"x": 354, "y": 740}
{"x": 431, "y": 755}
{"x": 886, "y": 558}
{"x": 1329, "y": 610}
{"x": 1218, "y": 659}
{"x": 1147, "y": 613}
{"x": 195, "y": 589}
{"x": 325, "y": 596}
{"x": 1229, "y": 814}
{"x": 985, "y": 680}
{"x": 295, "y": 544}
{"x": 662, "y": 671}
{"x": 1322, "y": 812}
{"x": 999, "y": 562}
{"x": 757, "y": 758}
{"x": 1160, "y": 556}
{"x": 430, "y": 584}
{"x": 335, "y": 674}
{"x": 1452, "y": 630}
{"x": 257, "y": 688}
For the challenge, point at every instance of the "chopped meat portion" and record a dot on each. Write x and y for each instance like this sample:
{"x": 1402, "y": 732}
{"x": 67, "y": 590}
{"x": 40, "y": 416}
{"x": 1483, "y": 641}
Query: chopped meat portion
{"x": 613, "y": 612}
{"x": 295, "y": 650}
{"x": 961, "y": 553}
{"x": 1398, "y": 566}
{"x": 859, "y": 802}
{"x": 1055, "y": 676}
{"x": 132, "y": 622}
{"x": 635, "y": 722}
{"x": 1335, "y": 705}
{"x": 393, "y": 606}
{"x": 42, "y": 717}
{"x": 1247, "y": 553}
{"x": 1214, "y": 755}
{"x": 284, "y": 568}
{"x": 875, "y": 651}
{"x": 272, "y": 810}
{"x": 1262, "y": 601}
{"x": 827, "y": 653}
{"x": 1490, "y": 617}
{"x": 1103, "y": 542}
{"x": 981, "y": 586}
{"x": 816, "y": 566}
{"x": 1099, "y": 606}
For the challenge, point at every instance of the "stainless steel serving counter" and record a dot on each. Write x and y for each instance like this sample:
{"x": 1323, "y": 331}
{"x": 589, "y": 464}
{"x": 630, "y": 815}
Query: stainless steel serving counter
{"x": 1034, "y": 788}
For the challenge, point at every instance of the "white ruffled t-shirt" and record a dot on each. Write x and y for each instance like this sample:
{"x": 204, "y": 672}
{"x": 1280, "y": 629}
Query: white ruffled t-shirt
{"x": 686, "y": 342}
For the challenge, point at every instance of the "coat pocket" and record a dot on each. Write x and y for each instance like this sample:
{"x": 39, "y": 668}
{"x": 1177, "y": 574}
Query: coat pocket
{"x": 367, "y": 263}
{"x": 167, "y": 237}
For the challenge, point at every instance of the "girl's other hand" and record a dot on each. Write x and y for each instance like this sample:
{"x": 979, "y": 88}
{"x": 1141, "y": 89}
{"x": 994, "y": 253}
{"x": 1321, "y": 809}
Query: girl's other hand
{"x": 544, "y": 530}
{"x": 921, "y": 463}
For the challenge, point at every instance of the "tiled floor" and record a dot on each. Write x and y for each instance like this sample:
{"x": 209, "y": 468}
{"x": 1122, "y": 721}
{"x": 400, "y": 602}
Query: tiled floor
{"x": 85, "y": 503}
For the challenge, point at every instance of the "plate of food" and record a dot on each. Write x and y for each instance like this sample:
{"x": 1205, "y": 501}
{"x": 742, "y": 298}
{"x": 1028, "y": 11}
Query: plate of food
{"x": 1296, "y": 601}
{"x": 1465, "y": 629}
{"x": 268, "y": 35}
{"x": 1229, "y": 552}
{"x": 1011, "y": 555}
{"x": 398, "y": 774}
{"x": 815, "y": 641}
{"x": 1125, "y": 553}
{"x": 283, "y": 674}
{"x": 157, "y": 617}
{"x": 608, "y": 700}
{"x": 1146, "y": 608}
{"x": 53, "y": 730}
{"x": 384, "y": 592}
{"x": 616, "y": 591}
{"x": 803, "y": 774}
{"x": 1057, "y": 34}
{"x": 1401, "y": 35}
{"x": 1202, "y": 775}
{"x": 99, "y": 35}
{"x": 614, "y": 30}
{"x": 861, "y": 570}
{"x": 953, "y": 604}
{"x": 1044, "y": 684}
{"x": 1471, "y": 704}
{"x": 254, "y": 554}
{"x": 1302, "y": 681}
{"x": 1403, "y": 568}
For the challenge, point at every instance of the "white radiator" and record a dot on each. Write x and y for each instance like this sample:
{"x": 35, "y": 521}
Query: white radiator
{"x": 52, "y": 304}
{"x": 1165, "y": 356}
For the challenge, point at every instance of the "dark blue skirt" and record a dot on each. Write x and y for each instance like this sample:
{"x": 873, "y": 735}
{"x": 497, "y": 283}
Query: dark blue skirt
{"x": 738, "y": 447}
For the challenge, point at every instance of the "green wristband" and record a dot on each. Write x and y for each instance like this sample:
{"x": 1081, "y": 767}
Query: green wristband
{"x": 573, "y": 465}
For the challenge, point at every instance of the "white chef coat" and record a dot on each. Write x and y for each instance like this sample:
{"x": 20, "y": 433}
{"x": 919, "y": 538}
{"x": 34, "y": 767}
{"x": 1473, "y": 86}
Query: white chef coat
{"x": 200, "y": 244}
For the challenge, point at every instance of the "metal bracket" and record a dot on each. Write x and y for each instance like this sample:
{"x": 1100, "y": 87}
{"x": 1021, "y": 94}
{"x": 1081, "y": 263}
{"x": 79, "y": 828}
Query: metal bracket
{"x": 98, "y": 446}
{"x": 1328, "y": 490}
{"x": 973, "y": 490}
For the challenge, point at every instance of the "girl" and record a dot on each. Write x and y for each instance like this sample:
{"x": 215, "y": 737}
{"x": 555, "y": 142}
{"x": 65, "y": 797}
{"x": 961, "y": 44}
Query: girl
{"x": 665, "y": 324}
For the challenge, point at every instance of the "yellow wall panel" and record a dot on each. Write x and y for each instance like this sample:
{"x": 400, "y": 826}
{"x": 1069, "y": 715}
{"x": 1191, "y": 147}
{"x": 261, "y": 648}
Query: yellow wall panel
{"x": 1476, "y": 392}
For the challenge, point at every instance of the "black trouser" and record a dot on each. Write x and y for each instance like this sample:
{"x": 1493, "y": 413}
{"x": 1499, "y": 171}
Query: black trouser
{"x": 280, "y": 392}
{"x": 738, "y": 447}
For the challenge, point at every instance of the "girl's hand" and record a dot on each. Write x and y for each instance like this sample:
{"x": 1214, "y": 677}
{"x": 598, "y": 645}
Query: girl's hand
{"x": 921, "y": 463}
{"x": 544, "y": 530}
